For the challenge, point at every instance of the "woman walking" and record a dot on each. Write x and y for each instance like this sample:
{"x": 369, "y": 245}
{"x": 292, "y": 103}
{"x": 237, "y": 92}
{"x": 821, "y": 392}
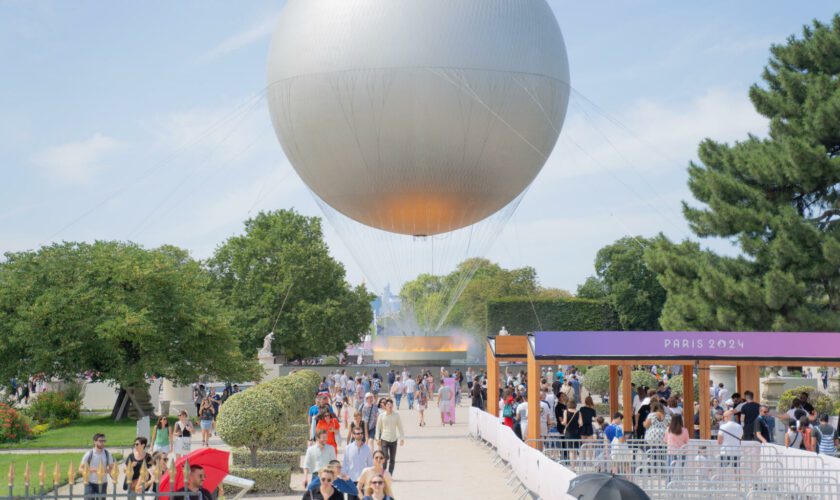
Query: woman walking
{"x": 329, "y": 424}
{"x": 587, "y": 415}
{"x": 206, "y": 415}
{"x": 656, "y": 426}
{"x": 377, "y": 469}
{"x": 422, "y": 401}
{"x": 378, "y": 489}
{"x": 162, "y": 436}
{"x": 134, "y": 483}
{"x": 183, "y": 434}
{"x": 572, "y": 422}
{"x": 475, "y": 392}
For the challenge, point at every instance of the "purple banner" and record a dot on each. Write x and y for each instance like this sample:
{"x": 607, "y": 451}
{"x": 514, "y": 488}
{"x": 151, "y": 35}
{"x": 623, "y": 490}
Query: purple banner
{"x": 709, "y": 345}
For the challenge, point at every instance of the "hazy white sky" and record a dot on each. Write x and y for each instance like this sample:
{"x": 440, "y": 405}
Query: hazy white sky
{"x": 105, "y": 106}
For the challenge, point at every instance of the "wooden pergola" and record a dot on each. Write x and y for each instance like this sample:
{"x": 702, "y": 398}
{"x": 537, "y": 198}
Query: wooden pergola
{"x": 521, "y": 348}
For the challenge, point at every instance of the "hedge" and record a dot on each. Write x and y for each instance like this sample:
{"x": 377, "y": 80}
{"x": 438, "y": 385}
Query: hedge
{"x": 267, "y": 458}
{"x": 821, "y": 402}
{"x": 676, "y": 385}
{"x": 266, "y": 479}
{"x": 297, "y": 444}
{"x": 597, "y": 380}
{"x": 643, "y": 378}
{"x": 519, "y": 315}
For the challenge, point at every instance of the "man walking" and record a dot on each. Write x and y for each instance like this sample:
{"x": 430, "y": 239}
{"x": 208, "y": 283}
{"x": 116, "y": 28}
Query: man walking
{"x": 444, "y": 401}
{"x": 317, "y": 456}
{"x": 93, "y": 459}
{"x": 370, "y": 414}
{"x": 397, "y": 391}
{"x": 410, "y": 386}
{"x": 825, "y": 437}
{"x": 747, "y": 413}
{"x": 389, "y": 430}
{"x": 761, "y": 428}
{"x": 357, "y": 457}
{"x": 730, "y": 433}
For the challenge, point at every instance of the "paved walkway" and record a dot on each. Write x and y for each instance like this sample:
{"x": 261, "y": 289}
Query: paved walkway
{"x": 439, "y": 462}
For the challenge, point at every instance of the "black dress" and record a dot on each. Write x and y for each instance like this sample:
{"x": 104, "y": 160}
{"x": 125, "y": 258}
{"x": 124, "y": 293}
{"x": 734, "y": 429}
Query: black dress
{"x": 559, "y": 409}
{"x": 572, "y": 428}
{"x": 588, "y": 415}
{"x": 477, "y": 400}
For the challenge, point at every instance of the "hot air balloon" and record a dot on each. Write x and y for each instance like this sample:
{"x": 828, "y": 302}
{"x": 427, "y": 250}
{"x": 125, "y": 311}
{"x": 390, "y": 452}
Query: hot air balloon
{"x": 417, "y": 117}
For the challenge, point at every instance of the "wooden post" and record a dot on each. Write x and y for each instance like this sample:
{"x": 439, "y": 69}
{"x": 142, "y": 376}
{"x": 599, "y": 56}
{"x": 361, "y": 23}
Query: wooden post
{"x": 533, "y": 431}
{"x": 688, "y": 398}
{"x": 613, "y": 391}
{"x": 749, "y": 380}
{"x": 627, "y": 397}
{"x": 492, "y": 382}
{"x": 705, "y": 409}
{"x": 739, "y": 381}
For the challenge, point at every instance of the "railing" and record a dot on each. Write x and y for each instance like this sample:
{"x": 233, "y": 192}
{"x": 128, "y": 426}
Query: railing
{"x": 112, "y": 488}
{"x": 704, "y": 466}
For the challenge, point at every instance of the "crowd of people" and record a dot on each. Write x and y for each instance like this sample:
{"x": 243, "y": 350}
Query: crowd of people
{"x": 362, "y": 410}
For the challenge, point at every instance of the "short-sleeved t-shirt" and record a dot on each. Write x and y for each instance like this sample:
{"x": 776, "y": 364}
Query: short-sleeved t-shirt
{"x": 732, "y": 433}
{"x": 613, "y": 431}
{"x": 749, "y": 412}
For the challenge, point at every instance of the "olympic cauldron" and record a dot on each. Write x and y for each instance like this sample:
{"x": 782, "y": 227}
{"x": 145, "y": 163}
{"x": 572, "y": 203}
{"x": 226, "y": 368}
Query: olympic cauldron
{"x": 415, "y": 351}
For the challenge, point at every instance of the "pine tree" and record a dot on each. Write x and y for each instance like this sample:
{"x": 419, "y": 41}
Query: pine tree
{"x": 777, "y": 198}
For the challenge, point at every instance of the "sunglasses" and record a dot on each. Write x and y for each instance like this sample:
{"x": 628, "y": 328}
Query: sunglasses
{"x": 377, "y": 482}
{"x": 138, "y": 444}
{"x": 379, "y": 458}
{"x": 326, "y": 480}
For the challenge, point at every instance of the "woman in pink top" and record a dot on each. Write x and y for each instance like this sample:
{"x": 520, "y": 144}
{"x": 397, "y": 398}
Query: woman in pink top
{"x": 676, "y": 438}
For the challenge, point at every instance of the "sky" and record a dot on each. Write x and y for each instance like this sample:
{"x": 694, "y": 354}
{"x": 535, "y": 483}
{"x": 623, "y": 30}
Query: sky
{"x": 145, "y": 121}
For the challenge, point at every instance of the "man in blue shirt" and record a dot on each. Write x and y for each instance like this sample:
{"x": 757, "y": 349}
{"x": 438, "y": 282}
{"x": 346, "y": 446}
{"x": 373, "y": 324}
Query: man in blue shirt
{"x": 357, "y": 457}
{"x": 615, "y": 430}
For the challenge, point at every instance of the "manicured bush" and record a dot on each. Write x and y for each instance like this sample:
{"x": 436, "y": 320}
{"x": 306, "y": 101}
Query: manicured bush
{"x": 267, "y": 479}
{"x": 14, "y": 426}
{"x": 331, "y": 360}
{"x": 55, "y": 408}
{"x": 250, "y": 419}
{"x": 265, "y": 458}
{"x": 597, "y": 380}
{"x": 643, "y": 378}
{"x": 519, "y": 315}
{"x": 821, "y": 402}
{"x": 297, "y": 444}
{"x": 676, "y": 385}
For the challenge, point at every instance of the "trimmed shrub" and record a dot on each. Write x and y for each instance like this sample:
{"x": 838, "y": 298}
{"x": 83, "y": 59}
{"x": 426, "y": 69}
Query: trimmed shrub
{"x": 331, "y": 360}
{"x": 643, "y": 378}
{"x": 598, "y": 380}
{"x": 267, "y": 458}
{"x": 676, "y": 385}
{"x": 296, "y": 444}
{"x": 267, "y": 479}
{"x": 821, "y": 402}
{"x": 54, "y": 408}
{"x": 250, "y": 419}
{"x": 519, "y": 315}
{"x": 14, "y": 426}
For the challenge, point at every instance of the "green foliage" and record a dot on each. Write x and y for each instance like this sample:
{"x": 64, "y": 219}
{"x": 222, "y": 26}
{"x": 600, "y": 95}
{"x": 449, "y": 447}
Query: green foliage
{"x": 266, "y": 479}
{"x": 251, "y": 419}
{"x": 266, "y": 458}
{"x": 821, "y": 402}
{"x": 78, "y": 434}
{"x": 54, "y": 408}
{"x": 116, "y": 309}
{"x": 331, "y": 360}
{"x": 676, "y": 385}
{"x": 13, "y": 425}
{"x": 777, "y": 198}
{"x": 279, "y": 276}
{"x": 519, "y": 315}
{"x": 643, "y": 378}
{"x": 478, "y": 280}
{"x": 627, "y": 284}
{"x": 597, "y": 379}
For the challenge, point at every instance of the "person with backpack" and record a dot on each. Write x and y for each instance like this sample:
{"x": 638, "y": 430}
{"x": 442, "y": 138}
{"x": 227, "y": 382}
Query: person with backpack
{"x": 97, "y": 487}
{"x": 508, "y": 408}
{"x": 793, "y": 438}
{"x": 824, "y": 437}
{"x": 807, "y": 431}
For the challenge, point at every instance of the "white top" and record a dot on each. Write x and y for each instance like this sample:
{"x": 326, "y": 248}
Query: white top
{"x": 522, "y": 413}
{"x": 396, "y": 387}
{"x": 732, "y": 433}
{"x": 723, "y": 394}
{"x": 410, "y": 386}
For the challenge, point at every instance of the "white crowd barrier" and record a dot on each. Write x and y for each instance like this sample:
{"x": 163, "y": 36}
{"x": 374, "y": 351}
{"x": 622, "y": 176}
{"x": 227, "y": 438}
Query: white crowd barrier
{"x": 541, "y": 475}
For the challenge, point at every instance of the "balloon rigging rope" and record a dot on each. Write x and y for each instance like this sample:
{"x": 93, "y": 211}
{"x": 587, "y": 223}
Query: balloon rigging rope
{"x": 180, "y": 150}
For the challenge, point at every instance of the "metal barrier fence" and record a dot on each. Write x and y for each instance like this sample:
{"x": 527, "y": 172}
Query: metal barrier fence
{"x": 74, "y": 485}
{"x": 700, "y": 468}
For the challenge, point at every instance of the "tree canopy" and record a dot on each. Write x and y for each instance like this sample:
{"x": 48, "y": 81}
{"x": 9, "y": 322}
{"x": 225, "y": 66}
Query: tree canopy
{"x": 117, "y": 310}
{"x": 627, "y": 284}
{"x": 776, "y": 198}
{"x": 478, "y": 280}
{"x": 279, "y": 276}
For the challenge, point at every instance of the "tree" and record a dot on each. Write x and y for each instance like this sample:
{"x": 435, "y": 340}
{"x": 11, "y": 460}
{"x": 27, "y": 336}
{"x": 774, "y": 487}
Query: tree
{"x": 115, "y": 310}
{"x": 777, "y": 198}
{"x": 627, "y": 284}
{"x": 433, "y": 299}
{"x": 280, "y": 277}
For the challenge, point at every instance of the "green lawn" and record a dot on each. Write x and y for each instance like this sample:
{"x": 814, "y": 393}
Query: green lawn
{"x": 35, "y": 460}
{"x": 79, "y": 434}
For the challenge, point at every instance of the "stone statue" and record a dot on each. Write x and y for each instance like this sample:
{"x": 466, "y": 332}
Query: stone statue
{"x": 266, "y": 348}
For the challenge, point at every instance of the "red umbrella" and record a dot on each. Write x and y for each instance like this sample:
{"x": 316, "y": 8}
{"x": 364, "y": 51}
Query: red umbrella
{"x": 216, "y": 464}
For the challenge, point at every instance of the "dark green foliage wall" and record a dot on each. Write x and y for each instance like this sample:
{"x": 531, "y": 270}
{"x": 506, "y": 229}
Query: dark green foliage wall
{"x": 519, "y": 315}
